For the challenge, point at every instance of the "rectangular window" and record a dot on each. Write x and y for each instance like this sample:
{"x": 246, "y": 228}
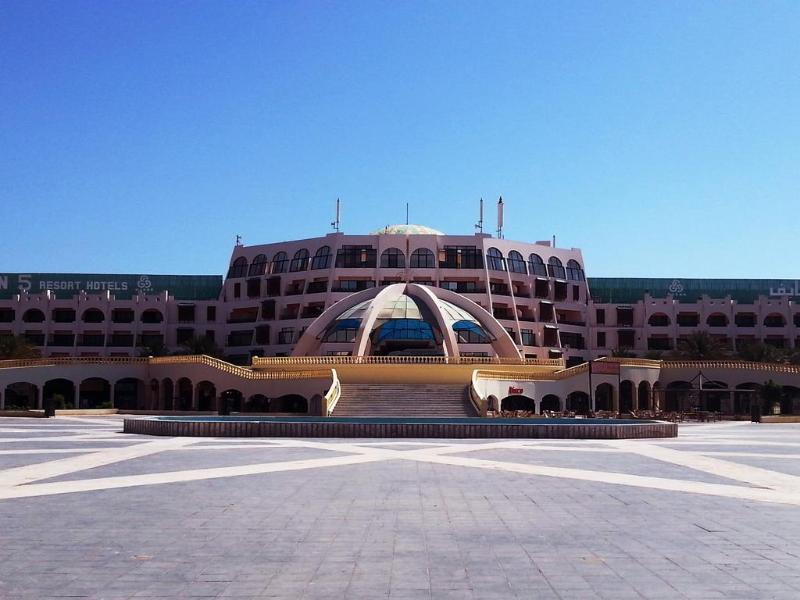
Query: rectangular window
{"x": 352, "y": 285}
{"x": 237, "y": 290}
{"x": 211, "y": 314}
{"x": 262, "y": 335}
{"x": 316, "y": 287}
{"x": 601, "y": 316}
{"x": 210, "y": 334}
{"x": 273, "y": 287}
{"x": 254, "y": 287}
{"x": 528, "y": 337}
{"x": 240, "y": 338}
{"x": 7, "y": 315}
{"x": 356, "y": 257}
{"x": 601, "y": 339}
{"x": 541, "y": 288}
{"x": 286, "y": 335}
{"x": 460, "y": 257}
{"x": 268, "y": 310}
{"x": 184, "y": 334}
{"x": 186, "y": 313}
{"x": 625, "y": 338}
{"x": 576, "y": 293}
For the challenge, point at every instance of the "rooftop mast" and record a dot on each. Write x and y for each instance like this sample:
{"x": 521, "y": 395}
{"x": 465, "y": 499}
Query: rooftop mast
{"x": 335, "y": 224}
{"x": 479, "y": 224}
{"x": 500, "y": 218}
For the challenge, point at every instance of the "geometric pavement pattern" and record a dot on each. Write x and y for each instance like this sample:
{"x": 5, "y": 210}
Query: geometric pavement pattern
{"x": 86, "y": 511}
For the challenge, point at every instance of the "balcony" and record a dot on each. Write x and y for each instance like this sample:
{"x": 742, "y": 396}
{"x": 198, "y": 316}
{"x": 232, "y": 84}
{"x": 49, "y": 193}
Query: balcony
{"x": 91, "y": 340}
{"x": 34, "y": 339}
{"x": 121, "y": 339}
{"x": 62, "y": 339}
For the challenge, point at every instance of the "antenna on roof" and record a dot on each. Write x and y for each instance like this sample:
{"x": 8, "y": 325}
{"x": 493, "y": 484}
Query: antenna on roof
{"x": 479, "y": 224}
{"x": 500, "y": 218}
{"x": 238, "y": 240}
{"x": 335, "y": 224}
{"x": 406, "y": 213}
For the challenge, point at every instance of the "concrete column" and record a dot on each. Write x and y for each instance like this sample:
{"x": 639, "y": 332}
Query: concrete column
{"x": 635, "y": 395}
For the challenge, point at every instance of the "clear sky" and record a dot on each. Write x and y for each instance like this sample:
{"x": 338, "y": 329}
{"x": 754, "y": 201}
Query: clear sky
{"x": 662, "y": 138}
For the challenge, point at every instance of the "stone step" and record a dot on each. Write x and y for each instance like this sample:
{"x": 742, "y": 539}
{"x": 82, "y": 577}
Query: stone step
{"x": 403, "y": 400}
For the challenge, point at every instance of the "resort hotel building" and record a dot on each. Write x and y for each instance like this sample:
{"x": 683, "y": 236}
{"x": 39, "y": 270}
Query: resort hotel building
{"x": 401, "y": 292}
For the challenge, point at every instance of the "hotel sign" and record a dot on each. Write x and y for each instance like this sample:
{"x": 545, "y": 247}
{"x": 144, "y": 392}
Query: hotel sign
{"x": 602, "y": 367}
{"x": 123, "y": 287}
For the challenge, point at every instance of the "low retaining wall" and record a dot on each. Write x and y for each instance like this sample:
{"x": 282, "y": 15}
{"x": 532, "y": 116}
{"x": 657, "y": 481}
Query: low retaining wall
{"x": 388, "y": 429}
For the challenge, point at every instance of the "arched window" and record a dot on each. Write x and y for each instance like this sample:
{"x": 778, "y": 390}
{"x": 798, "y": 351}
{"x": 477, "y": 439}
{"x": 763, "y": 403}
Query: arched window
{"x": 33, "y": 315}
{"x": 258, "y": 266}
{"x": 93, "y": 315}
{"x": 422, "y": 258}
{"x": 238, "y": 268}
{"x": 279, "y": 263}
{"x": 717, "y": 320}
{"x": 536, "y": 265}
{"x": 555, "y": 268}
{"x": 574, "y": 271}
{"x": 151, "y": 315}
{"x": 322, "y": 258}
{"x": 658, "y": 320}
{"x": 494, "y": 260}
{"x": 516, "y": 264}
{"x": 300, "y": 261}
{"x": 393, "y": 258}
{"x": 774, "y": 320}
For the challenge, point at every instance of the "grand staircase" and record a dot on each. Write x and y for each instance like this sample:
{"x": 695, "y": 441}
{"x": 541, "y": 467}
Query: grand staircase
{"x": 403, "y": 400}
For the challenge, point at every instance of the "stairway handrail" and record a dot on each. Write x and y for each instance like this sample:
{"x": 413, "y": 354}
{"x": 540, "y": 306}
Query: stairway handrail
{"x": 479, "y": 403}
{"x": 333, "y": 395}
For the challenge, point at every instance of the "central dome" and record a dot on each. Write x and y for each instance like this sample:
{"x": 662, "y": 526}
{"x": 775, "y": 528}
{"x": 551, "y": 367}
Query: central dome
{"x": 407, "y": 230}
{"x": 406, "y": 318}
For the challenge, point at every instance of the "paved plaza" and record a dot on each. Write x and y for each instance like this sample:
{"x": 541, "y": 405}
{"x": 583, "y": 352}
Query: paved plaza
{"x": 88, "y": 512}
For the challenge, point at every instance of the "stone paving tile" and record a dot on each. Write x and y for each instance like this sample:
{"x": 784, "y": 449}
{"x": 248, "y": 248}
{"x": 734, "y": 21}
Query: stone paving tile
{"x": 614, "y": 462}
{"x": 397, "y": 529}
{"x": 174, "y": 460}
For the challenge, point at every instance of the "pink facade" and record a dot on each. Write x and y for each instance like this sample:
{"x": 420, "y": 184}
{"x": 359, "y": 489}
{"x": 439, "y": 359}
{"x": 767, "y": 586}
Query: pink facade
{"x": 273, "y": 292}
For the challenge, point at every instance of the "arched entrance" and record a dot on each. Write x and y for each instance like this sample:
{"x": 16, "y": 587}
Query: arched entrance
{"x": 550, "y": 402}
{"x": 94, "y": 392}
{"x": 518, "y": 402}
{"x": 604, "y": 397}
{"x": 206, "y": 396}
{"x": 713, "y": 400}
{"x": 677, "y": 396}
{"x": 233, "y": 400}
{"x": 258, "y": 403}
{"x": 290, "y": 403}
{"x": 743, "y": 396}
{"x": 167, "y": 394}
{"x": 61, "y": 391}
{"x": 643, "y": 396}
{"x": 184, "y": 393}
{"x": 791, "y": 398}
{"x": 129, "y": 394}
{"x": 21, "y": 395}
{"x": 626, "y": 392}
{"x": 153, "y": 394}
{"x": 578, "y": 402}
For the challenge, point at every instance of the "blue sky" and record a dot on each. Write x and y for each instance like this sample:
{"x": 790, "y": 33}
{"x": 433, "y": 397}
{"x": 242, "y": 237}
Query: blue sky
{"x": 662, "y": 138}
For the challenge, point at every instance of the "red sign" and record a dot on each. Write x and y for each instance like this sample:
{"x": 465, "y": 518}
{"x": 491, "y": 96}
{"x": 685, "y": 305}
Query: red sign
{"x": 513, "y": 391}
{"x": 602, "y": 367}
